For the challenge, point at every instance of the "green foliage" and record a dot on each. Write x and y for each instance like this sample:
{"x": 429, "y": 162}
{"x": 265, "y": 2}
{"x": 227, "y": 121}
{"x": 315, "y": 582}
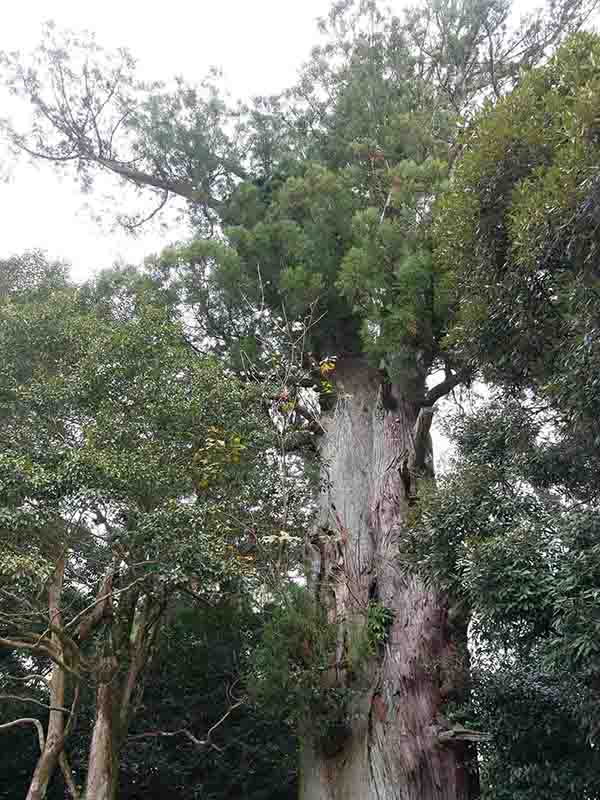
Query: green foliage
{"x": 31, "y": 273}
{"x": 525, "y": 493}
{"x": 379, "y": 619}
{"x": 109, "y": 414}
{"x": 506, "y": 533}
{"x": 295, "y": 669}
{"x": 198, "y": 672}
{"x": 517, "y": 230}
{"x": 293, "y": 665}
{"x": 540, "y": 748}
{"x": 135, "y": 458}
{"x": 322, "y": 192}
{"x": 121, "y": 409}
{"x": 321, "y": 202}
{"x": 365, "y": 637}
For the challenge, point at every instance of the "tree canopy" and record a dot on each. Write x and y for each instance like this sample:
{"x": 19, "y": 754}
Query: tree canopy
{"x": 125, "y": 476}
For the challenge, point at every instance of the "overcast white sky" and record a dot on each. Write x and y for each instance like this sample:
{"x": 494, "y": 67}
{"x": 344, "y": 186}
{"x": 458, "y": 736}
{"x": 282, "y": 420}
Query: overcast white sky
{"x": 260, "y": 45}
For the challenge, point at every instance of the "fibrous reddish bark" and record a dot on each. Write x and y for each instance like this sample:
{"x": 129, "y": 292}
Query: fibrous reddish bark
{"x": 375, "y": 447}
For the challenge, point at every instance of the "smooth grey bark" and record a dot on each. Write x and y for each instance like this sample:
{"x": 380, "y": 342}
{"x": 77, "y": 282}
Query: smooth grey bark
{"x": 376, "y": 444}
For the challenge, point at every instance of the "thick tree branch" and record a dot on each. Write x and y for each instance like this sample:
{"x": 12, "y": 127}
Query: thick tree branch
{"x": 451, "y": 381}
{"x": 416, "y": 461}
{"x": 139, "y": 178}
{"x": 460, "y": 734}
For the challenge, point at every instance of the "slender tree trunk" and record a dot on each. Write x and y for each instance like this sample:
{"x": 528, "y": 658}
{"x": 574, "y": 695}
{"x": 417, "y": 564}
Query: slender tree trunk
{"x": 103, "y": 771}
{"x": 115, "y": 694}
{"x": 54, "y": 744}
{"x": 376, "y": 443}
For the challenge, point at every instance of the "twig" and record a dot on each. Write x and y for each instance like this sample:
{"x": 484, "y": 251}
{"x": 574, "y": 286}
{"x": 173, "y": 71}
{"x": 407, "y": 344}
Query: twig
{"x": 185, "y": 732}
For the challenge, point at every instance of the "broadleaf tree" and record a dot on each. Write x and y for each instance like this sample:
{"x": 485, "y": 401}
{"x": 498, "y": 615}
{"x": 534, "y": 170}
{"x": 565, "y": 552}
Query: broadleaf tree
{"x": 126, "y": 461}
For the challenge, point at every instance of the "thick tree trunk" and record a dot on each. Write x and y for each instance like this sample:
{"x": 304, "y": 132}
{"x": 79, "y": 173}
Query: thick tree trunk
{"x": 376, "y": 443}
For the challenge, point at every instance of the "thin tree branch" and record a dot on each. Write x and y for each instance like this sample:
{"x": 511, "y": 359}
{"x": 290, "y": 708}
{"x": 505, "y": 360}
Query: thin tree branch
{"x": 28, "y": 721}
{"x": 21, "y": 699}
{"x": 185, "y": 732}
{"x": 68, "y": 775}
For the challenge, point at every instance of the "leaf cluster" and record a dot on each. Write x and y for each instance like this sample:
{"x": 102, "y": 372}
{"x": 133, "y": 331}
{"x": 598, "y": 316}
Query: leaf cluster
{"x": 293, "y": 664}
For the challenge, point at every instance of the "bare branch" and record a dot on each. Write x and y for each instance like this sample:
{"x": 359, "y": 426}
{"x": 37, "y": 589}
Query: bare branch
{"x": 495, "y": 86}
{"x": 26, "y": 678}
{"x": 33, "y": 700}
{"x": 43, "y": 649}
{"x": 206, "y": 742}
{"x": 27, "y": 721}
{"x": 132, "y": 224}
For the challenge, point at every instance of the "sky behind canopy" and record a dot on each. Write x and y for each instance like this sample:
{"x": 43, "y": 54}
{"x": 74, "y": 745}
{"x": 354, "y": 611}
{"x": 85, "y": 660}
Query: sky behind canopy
{"x": 260, "y": 46}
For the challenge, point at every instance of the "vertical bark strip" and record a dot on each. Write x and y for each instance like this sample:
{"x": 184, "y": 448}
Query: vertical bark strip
{"x": 118, "y": 680}
{"x": 48, "y": 759}
{"x": 373, "y": 449}
{"x": 102, "y": 777}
